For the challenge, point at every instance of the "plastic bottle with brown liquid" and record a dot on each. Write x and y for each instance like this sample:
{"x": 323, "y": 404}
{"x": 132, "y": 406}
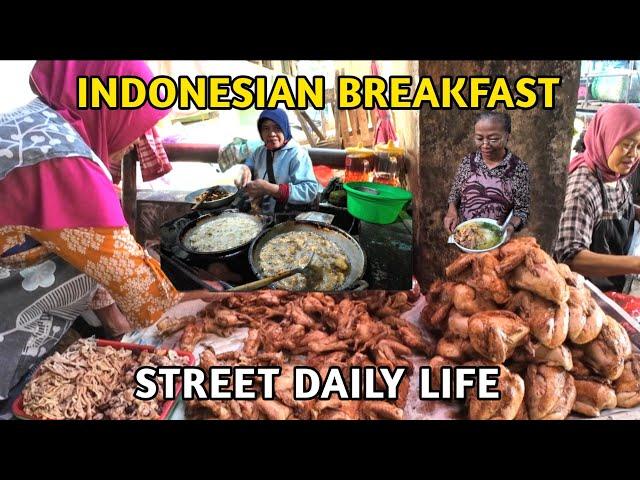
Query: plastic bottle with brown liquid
{"x": 386, "y": 165}
{"x": 358, "y": 164}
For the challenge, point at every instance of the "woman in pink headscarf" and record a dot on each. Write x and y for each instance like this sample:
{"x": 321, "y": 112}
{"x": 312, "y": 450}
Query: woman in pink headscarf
{"x": 62, "y": 229}
{"x": 597, "y": 222}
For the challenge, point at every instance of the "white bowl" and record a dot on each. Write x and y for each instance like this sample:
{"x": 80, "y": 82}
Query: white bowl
{"x": 478, "y": 220}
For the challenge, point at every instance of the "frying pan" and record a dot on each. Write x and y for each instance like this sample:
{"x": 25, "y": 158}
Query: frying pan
{"x": 342, "y": 239}
{"x": 188, "y": 230}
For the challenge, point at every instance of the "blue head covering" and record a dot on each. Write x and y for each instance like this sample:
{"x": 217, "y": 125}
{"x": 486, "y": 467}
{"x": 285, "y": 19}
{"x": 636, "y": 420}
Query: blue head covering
{"x": 279, "y": 117}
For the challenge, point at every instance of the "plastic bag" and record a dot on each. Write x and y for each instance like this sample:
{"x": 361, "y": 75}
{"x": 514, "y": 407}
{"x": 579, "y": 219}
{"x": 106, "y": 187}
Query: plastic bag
{"x": 236, "y": 152}
{"x": 629, "y": 303}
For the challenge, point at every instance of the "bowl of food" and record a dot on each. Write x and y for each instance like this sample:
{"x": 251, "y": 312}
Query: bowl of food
{"x": 478, "y": 235}
{"x": 213, "y": 197}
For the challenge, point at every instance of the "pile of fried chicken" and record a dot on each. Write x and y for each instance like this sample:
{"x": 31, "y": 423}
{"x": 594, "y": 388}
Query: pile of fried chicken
{"x": 557, "y": 351}
{"x": 350, "y": 329}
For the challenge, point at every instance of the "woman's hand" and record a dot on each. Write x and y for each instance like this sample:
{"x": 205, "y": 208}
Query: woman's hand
{"x": 451, "y": 221}
{"x": 244, "y": 177}
{"x": 260, "y": 188}
{"x": 509, "y": 230}
{"x": 113, "y": 321}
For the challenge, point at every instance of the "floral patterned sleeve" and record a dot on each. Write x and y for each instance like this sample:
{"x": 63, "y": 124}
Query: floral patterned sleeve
{"x": 522, "y": 193}
{"x": 113, "y": 258}
{"x": 458, "y": 181}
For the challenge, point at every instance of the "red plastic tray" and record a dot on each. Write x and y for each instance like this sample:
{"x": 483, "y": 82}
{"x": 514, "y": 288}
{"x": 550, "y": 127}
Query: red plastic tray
{"x": 168, "y": 405}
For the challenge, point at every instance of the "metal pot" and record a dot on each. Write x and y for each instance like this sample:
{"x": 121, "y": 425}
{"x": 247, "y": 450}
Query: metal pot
{"x": 262, "y": 220}
{"x": 346, "y": 242}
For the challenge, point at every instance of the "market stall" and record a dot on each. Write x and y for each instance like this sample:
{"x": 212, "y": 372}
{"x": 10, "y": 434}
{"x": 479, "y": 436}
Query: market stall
{"x": 563, "y": 348}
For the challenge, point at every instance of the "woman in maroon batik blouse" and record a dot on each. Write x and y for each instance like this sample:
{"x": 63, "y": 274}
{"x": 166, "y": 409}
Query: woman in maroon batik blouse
{"x": 491, "y": 181}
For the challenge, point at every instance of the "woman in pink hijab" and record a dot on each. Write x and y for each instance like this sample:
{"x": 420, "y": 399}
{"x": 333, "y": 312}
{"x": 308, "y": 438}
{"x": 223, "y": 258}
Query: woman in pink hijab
{"x": 597, "y": 222}
{"x": 62, "y": 229}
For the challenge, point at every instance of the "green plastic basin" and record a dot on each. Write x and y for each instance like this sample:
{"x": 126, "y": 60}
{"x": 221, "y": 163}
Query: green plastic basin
{"x": 375, "y": 202}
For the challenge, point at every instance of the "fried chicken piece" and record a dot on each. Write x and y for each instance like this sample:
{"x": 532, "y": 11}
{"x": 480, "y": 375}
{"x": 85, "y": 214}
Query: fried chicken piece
{"x": 522, "y": 412}
{"x": 512, "y": 391}
{"x": 395, "y": 322}
{"x": 273, "y": 409}
{"x": 328, "y": 344}
{"x": 330, "y": 359}
{"x": 532, "y": 352}
{"x": 458, "y": 324}
{"x": 283, "y": 387}
{"x": 496, "y": 334}
{"x": 210, "y": 325}
{"x": 483, "y": 278}
{"x": 390, "y": 353}
{"x": 547, "y": 321}
{"x": 214, "y": 408}
{"x": 297, "y": 315}
{"x": 527, "y": 267}
{"x": 413, "y": 338}
{"x": 270, "y": 298}
{"x": 550, "y": 392}
{"x": 207, "y": 359}
{"x": 314, "y": 307}
{"x": 592, "y": 396}
{"x": 436, "y": 363}
{"x": 368, "y": 332}
{"x": 191, "y": 335}
{"x": 275, "y": 337}
{"x": 628, "y": 384}
{"x": 252, "y": 343}
{"x": 454, "y": 348}
{"x": 336, "y": 409}
{"x": 607, "y": 353}
{"x": 439, "y": 303}
{"x": 248, "y": 409}
{"x": 467, "y": 302}
{"x": 380, "y": 410}
{"x": 258, "y": 314}
{"x": 170, "y": 325}
{"x": 396, "y": 304}
{"x": 403, "y": 392}
{"x": 585, "y": 316}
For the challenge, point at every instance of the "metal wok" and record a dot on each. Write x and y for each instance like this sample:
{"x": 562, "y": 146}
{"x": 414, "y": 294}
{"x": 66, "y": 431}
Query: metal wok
{"x": 351, "y": 248}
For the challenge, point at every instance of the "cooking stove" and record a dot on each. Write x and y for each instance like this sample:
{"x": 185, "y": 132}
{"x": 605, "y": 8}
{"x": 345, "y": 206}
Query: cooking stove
{"x": 387, "y": 248}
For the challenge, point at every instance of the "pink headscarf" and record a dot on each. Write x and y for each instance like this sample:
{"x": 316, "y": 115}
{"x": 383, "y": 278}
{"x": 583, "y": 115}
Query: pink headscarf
{"x": 610, "y": 125}
{"x": 105, "y": 131}
{"x": 71, "y": 192}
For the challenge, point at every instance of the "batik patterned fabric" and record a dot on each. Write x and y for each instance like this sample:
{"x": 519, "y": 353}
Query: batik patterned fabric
{"x": 480, "y": 191}
{"x": 110, "y": 256}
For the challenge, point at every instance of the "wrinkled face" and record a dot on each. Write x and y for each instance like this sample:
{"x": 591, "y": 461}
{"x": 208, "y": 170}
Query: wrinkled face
{"x": 271, "y": 134}
{"x": 491, "y": 139}
{"x": 117, "y": 157}
{"x": 625, "y": 154}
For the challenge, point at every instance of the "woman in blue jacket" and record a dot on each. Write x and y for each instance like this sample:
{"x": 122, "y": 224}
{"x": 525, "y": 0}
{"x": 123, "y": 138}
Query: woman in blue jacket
{"x": 280, "y": 172}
